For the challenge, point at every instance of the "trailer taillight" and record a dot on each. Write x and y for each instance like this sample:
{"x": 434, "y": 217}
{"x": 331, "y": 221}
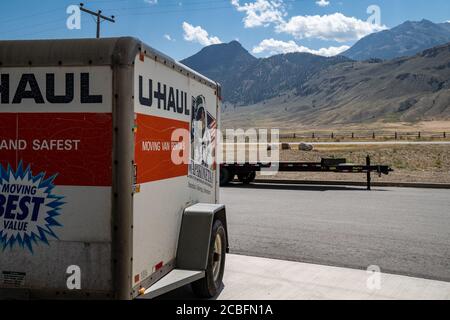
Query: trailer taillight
{"x": 159, "y": 266}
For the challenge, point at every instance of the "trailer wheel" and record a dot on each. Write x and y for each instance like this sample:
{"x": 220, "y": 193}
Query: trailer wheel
{"x": 225, "y": 176}
{"x": 209, "y": 286}
{"x": 247, "y": 178}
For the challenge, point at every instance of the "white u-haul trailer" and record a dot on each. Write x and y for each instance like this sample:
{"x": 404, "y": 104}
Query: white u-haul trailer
{"x": 108, "y": 181}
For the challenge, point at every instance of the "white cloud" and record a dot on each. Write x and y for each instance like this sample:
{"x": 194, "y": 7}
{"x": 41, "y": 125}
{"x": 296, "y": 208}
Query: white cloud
{"x": 323, "y": 3}
{"x": 261, "y": 12}
{"x": 273, "y": 46}
{"x": 198, "y": 34}
{"x": 168, "y": 37}
{"x": 336, "y": 27}
{"x": 151, "y": 1}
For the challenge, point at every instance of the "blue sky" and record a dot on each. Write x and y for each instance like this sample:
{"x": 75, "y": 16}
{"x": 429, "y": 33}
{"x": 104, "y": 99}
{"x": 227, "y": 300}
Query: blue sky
{"x": 180, "y": 28}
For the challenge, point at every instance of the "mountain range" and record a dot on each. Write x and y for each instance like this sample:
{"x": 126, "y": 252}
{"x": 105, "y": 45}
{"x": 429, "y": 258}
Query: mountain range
{"x": 406, "y": 39}
{"x": 402, "y": 81}
{"x": 246, "y": 80}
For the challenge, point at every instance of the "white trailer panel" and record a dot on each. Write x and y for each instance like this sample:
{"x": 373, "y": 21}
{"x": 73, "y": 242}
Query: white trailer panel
{"x": 166, "y": 100}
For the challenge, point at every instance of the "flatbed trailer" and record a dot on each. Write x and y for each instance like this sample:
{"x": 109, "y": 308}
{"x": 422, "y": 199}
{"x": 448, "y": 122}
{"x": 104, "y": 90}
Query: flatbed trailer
{"x": 246, "y": 172}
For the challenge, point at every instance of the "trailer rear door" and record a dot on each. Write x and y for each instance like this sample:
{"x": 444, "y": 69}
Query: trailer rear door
{"x": 55, "y": 178}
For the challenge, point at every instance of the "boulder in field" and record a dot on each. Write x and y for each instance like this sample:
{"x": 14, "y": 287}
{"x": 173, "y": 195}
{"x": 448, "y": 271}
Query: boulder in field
{"x": 285, "y": 146}
{"x": 305, "y": 147}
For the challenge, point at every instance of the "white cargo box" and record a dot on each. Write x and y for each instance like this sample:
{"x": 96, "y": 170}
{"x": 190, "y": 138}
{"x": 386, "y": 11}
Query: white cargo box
{"x": 108, "y": 179}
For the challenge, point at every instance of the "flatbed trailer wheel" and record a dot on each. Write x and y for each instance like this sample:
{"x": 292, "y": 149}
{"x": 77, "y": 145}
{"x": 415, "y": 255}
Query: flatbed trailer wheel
{"x": 247, "y": 177}
{"x": 225, "y": 176}
{"x": 209, "y": 286}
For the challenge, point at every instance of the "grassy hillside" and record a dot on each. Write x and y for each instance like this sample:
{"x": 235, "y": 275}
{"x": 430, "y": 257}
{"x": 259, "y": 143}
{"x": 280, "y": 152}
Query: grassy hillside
{"x": 404, "y": 89}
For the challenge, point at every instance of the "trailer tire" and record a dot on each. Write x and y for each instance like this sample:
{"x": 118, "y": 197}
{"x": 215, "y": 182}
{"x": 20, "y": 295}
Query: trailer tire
{"x": 225, "y": 176}
{"x": 247, "y": 178}
{"x": 210, "y": 285}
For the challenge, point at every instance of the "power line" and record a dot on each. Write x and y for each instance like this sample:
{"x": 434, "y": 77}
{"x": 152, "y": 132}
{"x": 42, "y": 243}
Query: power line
{"x": 39, "y": 32}
{"x": 13, "y": 31}
{"x": 159, "y": 4}
{"x": 45, "y": 12}
{"x": 112, "y": 19}
{"x": 174, "y": 11}
{"x": 186, "y": 7}
{"x": 177, "y": 4}
{"x": 41, "y": 13}
{"x": 99, "y": 16}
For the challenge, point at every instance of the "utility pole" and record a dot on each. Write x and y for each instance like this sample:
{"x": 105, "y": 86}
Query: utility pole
{"x": 99, "y": 16}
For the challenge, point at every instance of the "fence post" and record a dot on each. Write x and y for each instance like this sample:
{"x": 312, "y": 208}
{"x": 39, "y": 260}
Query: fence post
{"x": 369, "y": 178}
{"x": 332, "y": 135}
{"x": 373, "y": 135}
{"x": 313, "y": 135}
{"x": 419, "y": 135}
{"x": 353, "y": 135}
{"x": 445, "y": 136}
{"x": 396, "y": 136}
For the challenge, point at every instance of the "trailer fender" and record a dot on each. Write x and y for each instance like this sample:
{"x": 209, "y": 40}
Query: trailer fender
{"x": 195, "y": 234}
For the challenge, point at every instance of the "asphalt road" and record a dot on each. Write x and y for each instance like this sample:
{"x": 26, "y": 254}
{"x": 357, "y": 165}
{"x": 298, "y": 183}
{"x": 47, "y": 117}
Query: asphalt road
{"x": 403, "y": 231}
{"x": 356, "y": 143}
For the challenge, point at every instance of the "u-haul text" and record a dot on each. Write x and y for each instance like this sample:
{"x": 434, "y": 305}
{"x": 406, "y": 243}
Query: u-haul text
{"x": 33, "y": 87}
{"x": 162, "y": 96}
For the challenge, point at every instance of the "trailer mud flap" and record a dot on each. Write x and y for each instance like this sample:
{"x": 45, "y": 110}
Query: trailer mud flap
{"x": 195, "y": 233}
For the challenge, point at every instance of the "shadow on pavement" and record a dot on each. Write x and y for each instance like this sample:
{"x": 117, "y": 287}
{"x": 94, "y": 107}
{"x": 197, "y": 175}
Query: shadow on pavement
{"x": 301, "y": 187}
{"x": 184, "y": 293}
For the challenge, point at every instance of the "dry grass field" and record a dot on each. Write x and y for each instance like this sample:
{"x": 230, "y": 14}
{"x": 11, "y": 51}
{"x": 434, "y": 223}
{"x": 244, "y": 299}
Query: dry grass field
{"x": 384, "y": 131}
{"x": 412, "y": 163}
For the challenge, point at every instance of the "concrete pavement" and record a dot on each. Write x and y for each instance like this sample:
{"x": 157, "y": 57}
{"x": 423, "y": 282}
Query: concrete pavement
{"x": 331, "y": 235}
{"x": 403, "y": 231}
{"x": 251, "y": 278}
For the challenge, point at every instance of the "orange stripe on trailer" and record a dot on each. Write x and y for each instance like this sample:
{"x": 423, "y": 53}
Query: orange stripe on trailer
{"x": 77, "y": 146}
{"x": 154, "y": 146}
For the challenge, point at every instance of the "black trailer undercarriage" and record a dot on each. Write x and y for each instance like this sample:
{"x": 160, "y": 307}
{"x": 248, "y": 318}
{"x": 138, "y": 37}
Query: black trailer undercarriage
{"x": 246, "y": 172}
